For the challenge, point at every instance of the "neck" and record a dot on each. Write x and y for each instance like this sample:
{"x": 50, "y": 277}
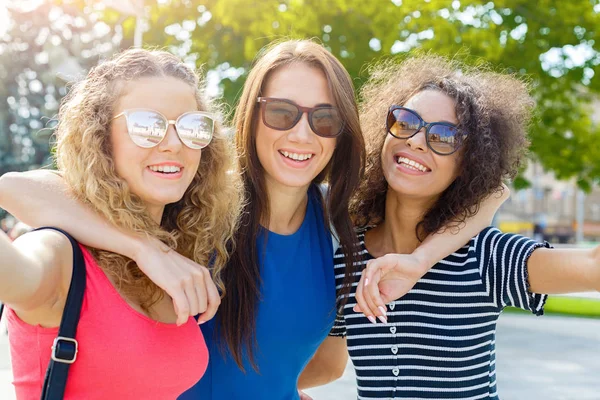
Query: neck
{"x": 397, "y": 233}
{"x": 287, "y": 207}
{"x": 156, "y": 212}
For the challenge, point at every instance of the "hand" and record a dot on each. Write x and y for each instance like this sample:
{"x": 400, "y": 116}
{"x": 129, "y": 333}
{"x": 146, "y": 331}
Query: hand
{"x": 189, "y": 284}
{"x": 304, "y": 396}
{"x": 385, "y": 279}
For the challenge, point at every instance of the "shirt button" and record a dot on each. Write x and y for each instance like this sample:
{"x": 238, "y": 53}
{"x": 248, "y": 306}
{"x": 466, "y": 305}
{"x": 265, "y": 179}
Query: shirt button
{"x": 396, "y": 371}
{"x": 392, "y": 305}
{"x": 394, "y": 349}
{"x": 393, "y": 329}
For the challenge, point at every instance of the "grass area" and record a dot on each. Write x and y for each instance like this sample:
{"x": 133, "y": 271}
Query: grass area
{"x": 573, "y": 306}
{"x": 576, "y": 306}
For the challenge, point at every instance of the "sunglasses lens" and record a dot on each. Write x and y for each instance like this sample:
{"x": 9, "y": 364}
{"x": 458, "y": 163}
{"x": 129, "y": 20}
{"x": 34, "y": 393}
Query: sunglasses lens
{"x": 402, "y": 123}
{"x": 195, "y": 130}
{"x": 443, "y": 138}
{"x": 146, "y": 128}
{"x": 280, "y": 115}
{"x": 326, "y": 122}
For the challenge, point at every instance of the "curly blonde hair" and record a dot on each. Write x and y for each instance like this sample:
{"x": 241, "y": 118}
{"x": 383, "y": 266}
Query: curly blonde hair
{"x": 200, "y": 226}
{"x": 494, "y": 109}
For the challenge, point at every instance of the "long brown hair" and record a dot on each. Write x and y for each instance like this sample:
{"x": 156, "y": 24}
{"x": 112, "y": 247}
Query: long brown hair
{"x": 242, "y": 276}
{"x": 494, "y": 109}
{"x": 199, "y": 226}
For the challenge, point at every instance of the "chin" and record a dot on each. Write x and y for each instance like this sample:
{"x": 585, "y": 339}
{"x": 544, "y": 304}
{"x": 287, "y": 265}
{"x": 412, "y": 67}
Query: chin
{"x": 164, "y": 199}
{"x": 294, "y": 183}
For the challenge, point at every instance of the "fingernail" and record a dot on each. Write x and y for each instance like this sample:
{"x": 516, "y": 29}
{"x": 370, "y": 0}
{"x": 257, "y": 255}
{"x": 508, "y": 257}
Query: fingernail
{"x": 383, "y": 310}
{"x": 372, "y": 319}
{"x": 354, "y": 309}
{"x": 366, "y": 281}
{"x": 382, "y": 319}
{"x": 201, "y": 322}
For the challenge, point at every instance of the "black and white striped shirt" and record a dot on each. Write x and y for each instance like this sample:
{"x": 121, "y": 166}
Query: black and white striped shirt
{"x": 439, "y": 342}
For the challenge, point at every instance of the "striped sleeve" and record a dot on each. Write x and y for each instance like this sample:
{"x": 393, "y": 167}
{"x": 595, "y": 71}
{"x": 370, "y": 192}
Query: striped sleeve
{"x": 339, "y": 326}
{"x": 503, "y": 267}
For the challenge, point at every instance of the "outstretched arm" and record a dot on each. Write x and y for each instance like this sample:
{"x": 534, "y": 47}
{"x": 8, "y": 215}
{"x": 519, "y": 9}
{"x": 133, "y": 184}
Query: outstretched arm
{"x": 42, "y": 198}
{"x": 392, "y": 276}
{"x": 555, "y": 271}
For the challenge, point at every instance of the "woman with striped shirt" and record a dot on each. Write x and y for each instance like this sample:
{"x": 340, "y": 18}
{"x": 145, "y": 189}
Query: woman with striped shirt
{"x": 441, "y": 138}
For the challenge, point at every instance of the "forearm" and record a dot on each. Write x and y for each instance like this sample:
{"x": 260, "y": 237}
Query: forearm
{"x": 441, "y": 244}
{"x": 558, "y": 271}
{"x": 41, "y": 198}
{"x": 315, "y": 375}
{"x": 327, "y": 365}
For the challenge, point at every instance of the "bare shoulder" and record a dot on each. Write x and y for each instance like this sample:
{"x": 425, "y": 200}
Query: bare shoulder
{"x": 46, "y": 246}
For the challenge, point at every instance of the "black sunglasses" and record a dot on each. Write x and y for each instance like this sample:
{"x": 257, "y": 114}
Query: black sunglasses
{"x": 283, "y": 114}
{"x": 442, "y": 138}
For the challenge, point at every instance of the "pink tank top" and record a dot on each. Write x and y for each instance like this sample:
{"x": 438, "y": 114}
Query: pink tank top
{"x": 123, "y": 354}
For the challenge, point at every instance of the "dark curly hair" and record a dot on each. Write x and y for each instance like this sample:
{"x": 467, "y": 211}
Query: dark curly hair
{"x": 493, "y": 109}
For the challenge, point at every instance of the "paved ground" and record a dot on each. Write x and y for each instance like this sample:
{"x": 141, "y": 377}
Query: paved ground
{"x": 549, "y": 358}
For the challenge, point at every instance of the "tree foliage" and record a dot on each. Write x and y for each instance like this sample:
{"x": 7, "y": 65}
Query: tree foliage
{"x": 553, "y": 43}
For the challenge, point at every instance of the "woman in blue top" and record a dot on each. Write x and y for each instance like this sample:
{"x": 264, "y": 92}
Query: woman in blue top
{"x": 442, "y": 136}
{"x": 296, "y": 126}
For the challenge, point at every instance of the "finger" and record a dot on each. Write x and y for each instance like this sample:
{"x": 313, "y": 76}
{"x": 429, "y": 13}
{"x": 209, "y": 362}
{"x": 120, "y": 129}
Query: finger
{"x": 304, "y": 396}
{"x": 375, "y": 300}
{"x": 361, "y": 302}
{"x": 181, "y": 307}
{"x": 200, "y": 286}
{"x": 189, "y": 287}
{"x": 382, "y": 264}
{"x": 376, "y": 309}
{"x": 213, "y": 299}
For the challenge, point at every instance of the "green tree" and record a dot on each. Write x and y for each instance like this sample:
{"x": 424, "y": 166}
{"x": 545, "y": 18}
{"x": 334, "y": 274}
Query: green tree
{"x": 551, "y": 42}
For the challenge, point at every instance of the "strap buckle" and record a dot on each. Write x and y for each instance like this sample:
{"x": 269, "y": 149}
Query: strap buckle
{"x": 64, "y": 350}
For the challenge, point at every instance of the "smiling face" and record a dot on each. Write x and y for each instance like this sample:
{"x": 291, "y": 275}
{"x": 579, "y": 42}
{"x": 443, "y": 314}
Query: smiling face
{"x": 295, "y": 157}
{"x": 159, "y": 175}
{"x": 409, "y": 166}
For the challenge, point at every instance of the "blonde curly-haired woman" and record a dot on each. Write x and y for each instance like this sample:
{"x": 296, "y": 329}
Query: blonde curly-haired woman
{"x": 138, "y": 144}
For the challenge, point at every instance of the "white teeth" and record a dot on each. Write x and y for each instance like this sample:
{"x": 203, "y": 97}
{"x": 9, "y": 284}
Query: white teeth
{"x": 167, "y": 169}
{"x": 411, "y": 164}
{"x": 296, "y": 156}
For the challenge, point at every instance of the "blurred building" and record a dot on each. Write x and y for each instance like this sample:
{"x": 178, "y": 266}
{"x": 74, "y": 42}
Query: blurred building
{"x": 552, "y": 205}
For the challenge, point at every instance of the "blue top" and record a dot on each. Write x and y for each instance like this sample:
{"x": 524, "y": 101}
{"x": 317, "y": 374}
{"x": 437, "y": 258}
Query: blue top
{"x": 295, "y": 315}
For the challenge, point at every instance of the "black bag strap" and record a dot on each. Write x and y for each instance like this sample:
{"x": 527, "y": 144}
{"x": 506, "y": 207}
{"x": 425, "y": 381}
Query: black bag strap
{"x": 65, "y": 347}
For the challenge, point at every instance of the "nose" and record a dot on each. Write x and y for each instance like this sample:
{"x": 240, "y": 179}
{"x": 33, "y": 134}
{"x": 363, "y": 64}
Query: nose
{"x": 301, "y": 132}
{"x": 171, "y": 142}
{"x": 418, "y": 141}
